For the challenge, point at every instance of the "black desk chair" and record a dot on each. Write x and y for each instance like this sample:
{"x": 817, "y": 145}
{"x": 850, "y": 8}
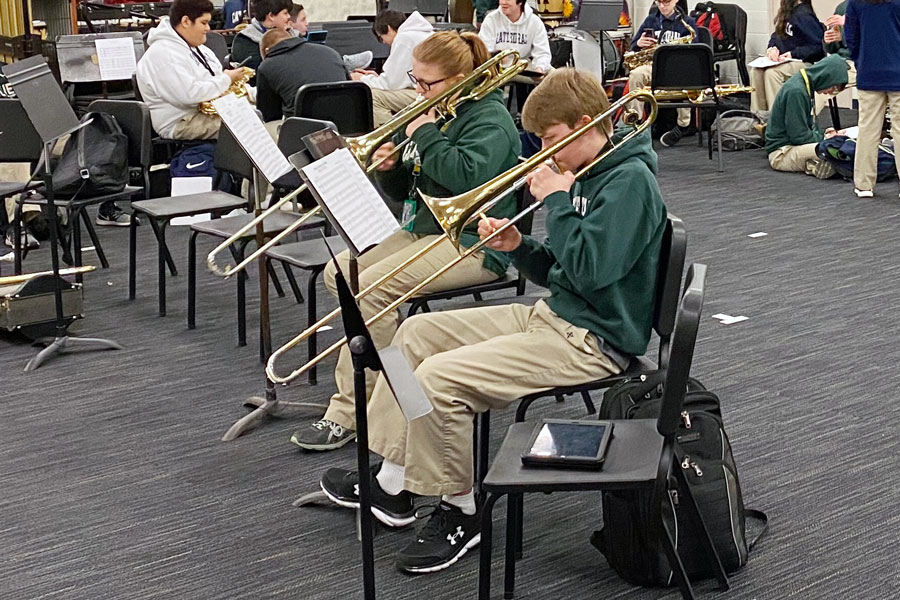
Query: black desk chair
{"x": 734, "y": 21}
{"x": 687, "y": 67}
{"x": 230, "y": 157}
{"x": 504, "y": 282}
{"x": 216, "y": 42}
{"x": 347, "y": 104}
{"x": 640, "y": 456}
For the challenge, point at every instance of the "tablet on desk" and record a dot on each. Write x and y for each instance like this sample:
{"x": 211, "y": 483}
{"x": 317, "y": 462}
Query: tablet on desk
{"x": 317, "y": 37}
{"x": 568, "y": 443}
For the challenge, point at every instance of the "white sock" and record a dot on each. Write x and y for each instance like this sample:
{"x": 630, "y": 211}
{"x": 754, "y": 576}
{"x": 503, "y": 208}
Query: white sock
{"x": 464, "y": 502}
{"x": 390, "y": 478}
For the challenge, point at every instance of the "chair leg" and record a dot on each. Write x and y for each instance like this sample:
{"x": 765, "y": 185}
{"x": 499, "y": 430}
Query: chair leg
{"x": 414, "y": 307}
{"x": 719, "y": 139}
{"x": 312, "y": 347}
{"x": 483, "y": 447}
{"x": 95, "y": 240}
{"x": 588, "y": 403}
{"x": 161, "y": 266}
{"x": 192, "y": 280}
{"x": 132, "y": 256}
{"x": 292, "y": 281}
{"x": 513, "y": 533}
{"x": 487, "y": 533}
{"x": 76, "y": 238}
{"x": 17, "y": 241}
{"x": 678, "y": 572}
{"x": 273, "y": 277}
{"x": 241, "y": 295}
{"x": 519, "y": 501}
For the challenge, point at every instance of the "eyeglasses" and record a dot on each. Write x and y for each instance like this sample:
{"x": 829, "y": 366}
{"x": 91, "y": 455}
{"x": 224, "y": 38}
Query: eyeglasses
{"x": 426, "y": 85}
{"x": 665, "y": 1}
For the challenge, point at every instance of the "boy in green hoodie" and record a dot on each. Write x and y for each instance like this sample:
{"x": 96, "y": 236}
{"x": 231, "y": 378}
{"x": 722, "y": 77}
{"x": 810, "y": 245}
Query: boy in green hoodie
{"x": 792, "y": 135}
{"x": 599, "y": 261}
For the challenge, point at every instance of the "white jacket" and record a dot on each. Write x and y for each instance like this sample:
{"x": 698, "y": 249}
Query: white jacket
{"x": 527, "y": 35}
{"x": 173, "y": 80}
{"x": 410, "y": 34}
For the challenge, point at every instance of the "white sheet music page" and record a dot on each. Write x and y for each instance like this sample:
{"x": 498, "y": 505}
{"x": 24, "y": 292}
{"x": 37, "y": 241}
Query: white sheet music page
{"x": 351, "y": 199}
{"x": 115, "y": 57}
{"x": 244, "y": 124}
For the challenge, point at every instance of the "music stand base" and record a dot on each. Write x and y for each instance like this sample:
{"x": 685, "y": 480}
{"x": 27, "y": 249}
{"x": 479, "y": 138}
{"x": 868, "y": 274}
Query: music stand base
{"x": 269, "y": 406}
{"x": 65, "y": 344}
{"x": 310, "y": 498}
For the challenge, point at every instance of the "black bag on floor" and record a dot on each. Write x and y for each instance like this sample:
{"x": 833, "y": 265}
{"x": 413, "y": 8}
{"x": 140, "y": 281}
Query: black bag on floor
{"x": 704, "y": 453}
{"x": 94, "y": 161}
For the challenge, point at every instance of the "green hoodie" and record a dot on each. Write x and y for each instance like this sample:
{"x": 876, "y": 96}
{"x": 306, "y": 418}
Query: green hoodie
{"x": 791, "y": 122}
{"x": 479, "y": 144}
{"x": 602, "y": 248}
{"x": 840, "y": 47}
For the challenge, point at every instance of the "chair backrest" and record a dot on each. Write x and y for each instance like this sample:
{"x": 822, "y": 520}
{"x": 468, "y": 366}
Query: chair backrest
{"x": 672, "y": 253}
{"x": 216, "y": 42}
{"x": 19, "y": 141}
{"x": 347, "y": 104}
{"x": 683, "y": 67}
{"x": 681, "y": 354}
{"x": 136, "y": 88}
{"x": 290, "y": 141}
{"x": 735, "y": 23}
{"x": 134, "y": 119}
{"x": 704, "y": 36}
{"x": 425, "y": 7}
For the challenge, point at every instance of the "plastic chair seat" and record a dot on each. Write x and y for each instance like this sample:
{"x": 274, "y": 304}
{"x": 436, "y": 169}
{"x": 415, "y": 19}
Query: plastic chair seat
{"x": 228, "y": 226}
{"x": 309, "y": 254}
{"x": 191, "y": 204}
{"x": 629, "y": 458}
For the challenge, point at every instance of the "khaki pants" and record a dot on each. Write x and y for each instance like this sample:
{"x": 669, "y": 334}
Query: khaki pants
{"x": 768, "y": 81}
{"x": 640, "y": 77}
{"x": 197, "y": 126}
{"x": 871, "y": 117}
{"x": 387, "y": 103}
{"x": 372, "y": 265}
{"x": 16, "y": 172}
{"x": 792, "y": 158}
{"x": 469, "y": 361}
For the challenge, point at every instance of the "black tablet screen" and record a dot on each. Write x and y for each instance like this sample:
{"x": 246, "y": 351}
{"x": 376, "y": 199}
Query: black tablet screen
{"x": 568, "y": 440}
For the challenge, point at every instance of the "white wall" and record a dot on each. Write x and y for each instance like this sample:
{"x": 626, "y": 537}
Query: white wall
{"x": 336, "y": 10}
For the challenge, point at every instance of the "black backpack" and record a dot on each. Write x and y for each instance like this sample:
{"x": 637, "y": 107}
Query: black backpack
{"x": 94, "y": 161}
{"x": 704, "y": 452}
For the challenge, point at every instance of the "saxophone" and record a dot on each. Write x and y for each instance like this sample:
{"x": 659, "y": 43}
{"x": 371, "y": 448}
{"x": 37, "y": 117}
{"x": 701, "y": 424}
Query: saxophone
{"x": 700, "y": 96}
{"x": 238, "y": 87}
{"x": 639, "y": 58}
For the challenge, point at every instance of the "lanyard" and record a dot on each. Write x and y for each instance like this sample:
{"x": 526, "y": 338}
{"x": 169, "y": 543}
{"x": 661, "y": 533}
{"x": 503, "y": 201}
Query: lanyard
{"x": 809, "y": 92}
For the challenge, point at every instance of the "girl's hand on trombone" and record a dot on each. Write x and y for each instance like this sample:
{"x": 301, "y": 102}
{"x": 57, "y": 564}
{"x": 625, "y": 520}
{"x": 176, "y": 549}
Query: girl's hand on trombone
{"x": 429, "y": 117}
{"x": 385, "y": 150}
{"x": 507, "y": 241}
{"x": 544, "y": 181}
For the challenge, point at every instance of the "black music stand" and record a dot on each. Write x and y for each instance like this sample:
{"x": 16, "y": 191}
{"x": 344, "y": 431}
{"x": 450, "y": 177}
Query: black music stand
{"x": 52, "y": 117}
{"x": 402, "y": 381}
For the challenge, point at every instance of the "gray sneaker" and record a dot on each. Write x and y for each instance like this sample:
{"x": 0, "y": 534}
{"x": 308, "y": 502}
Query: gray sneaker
{"x": 358, "y": 61}
{"x": 819, "y": 169}
{"x": 114, "y": 218}
{"x": 28, "y": 241}
{"x": 323, "y": 435}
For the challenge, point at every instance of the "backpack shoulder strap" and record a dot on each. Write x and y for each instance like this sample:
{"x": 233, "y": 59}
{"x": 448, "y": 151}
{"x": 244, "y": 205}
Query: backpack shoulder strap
{"x": 762, "y": 518}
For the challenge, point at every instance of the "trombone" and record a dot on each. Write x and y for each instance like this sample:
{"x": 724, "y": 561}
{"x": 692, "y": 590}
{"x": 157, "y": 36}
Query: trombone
{"x": 454, "y": 213}
{"x": 491, "y": 75}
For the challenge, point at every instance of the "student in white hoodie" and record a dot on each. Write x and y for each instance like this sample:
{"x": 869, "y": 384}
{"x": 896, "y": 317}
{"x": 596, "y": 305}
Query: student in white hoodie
{"x": 392, "y": 90}
{"x": 514, "y": 26}
{"x": 177, "y": 72}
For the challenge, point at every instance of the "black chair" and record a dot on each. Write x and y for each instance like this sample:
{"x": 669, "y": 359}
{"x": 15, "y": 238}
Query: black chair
{"x": 347, "y": 104}
{"x": 640, "y": 456}
{"x": 231, "y": 158}
{"x": 665, "y": 304}
{"x": 687, "y": 67}
{"x": 504, "y": 282}
{"x": 734, "y": 22}
{"x": 21, "y": 143}
{"x": 426, "y": 8}
{"x": 216, "y": 42}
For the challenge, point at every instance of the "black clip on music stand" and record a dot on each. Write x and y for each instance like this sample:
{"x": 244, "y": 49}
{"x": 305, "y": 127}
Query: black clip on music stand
{"x": 52, "y": 117}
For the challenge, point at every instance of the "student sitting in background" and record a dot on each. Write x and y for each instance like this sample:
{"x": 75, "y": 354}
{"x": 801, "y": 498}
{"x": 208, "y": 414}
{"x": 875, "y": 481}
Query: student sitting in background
{"x": 798, "y": 35}
{"x": 514, "y": 26}
{"x": 299, "y": 22}
{"x": 289, "y": 63}
{"x": 792, "y": 135}
{"x": 393, "y": 90}
{"x": 276, "y": 14}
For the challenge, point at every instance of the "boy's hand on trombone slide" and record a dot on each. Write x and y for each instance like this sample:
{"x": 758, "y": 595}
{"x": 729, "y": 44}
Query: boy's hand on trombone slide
{"x": 507, "y": 241}
{"x": 544, "y": 181}
{"x": 385, "y": 152}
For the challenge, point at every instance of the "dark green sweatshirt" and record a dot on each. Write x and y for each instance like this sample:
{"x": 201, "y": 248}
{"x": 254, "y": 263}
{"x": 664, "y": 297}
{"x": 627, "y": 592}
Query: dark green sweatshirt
{"x": 479, "y": 144}
{"x": 602, "y": 248}
{"x": 841, "y": 46}
{"x": 791, "y": 121}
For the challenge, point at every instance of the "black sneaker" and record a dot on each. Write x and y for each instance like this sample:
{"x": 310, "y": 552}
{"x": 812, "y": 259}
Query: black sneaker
{"x": 323, "y": 435}
{"x": 342, "y": 487}
{"x": 445, "y": 538}
{"x": 671, "y": 137}
{"x": 114, "y": 217}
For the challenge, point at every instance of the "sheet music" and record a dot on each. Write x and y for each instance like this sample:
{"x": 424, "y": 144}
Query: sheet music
{"x": 116, "y": 58}
{"x": 764, "y": 62}
{"x": 251, "y": 134}
{"x": 351, "y": 199}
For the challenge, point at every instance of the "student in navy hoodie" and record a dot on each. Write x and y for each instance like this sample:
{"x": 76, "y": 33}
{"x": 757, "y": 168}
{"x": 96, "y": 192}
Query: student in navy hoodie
{"x": 661, "y": 26}
{"x": 796, "y": 44}
{"x": 872, "y": 32}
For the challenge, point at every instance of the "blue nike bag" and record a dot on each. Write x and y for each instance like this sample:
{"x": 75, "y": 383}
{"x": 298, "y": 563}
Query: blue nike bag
{"x": 840, "y": 151}
{"x": 194, "y": 161}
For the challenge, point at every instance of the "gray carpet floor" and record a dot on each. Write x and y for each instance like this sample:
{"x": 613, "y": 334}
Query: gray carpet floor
{"x": 114, "y": 484}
